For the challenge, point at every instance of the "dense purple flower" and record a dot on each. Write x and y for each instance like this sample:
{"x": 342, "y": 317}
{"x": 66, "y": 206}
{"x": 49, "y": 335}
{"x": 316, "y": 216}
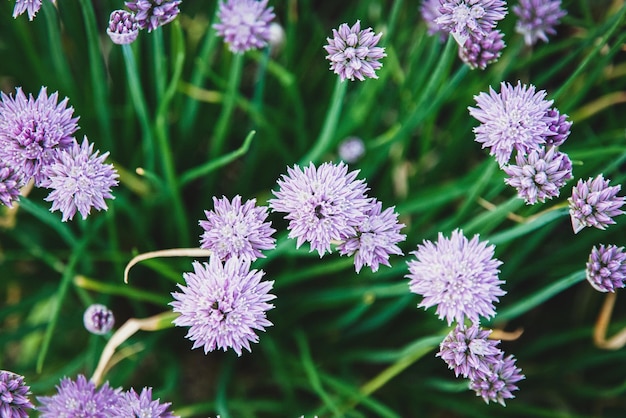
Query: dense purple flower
{"x": 594, "y": 203}
{"x": 429, "y": 9}
{"x": 133, "y": 405}
{"x": 322, "y": 204}
{"x": 98, "y": 319}
{"x": 352, "y": 52}
{"x": 236, "y": 230}
{"x": 223, "y": 304}
{"x": 150, "y": 14}
{"x": 79, "y": 398}
{"x": 559, "y": 128}
{"x": 539, "y": 175}
{"x": 515, "y": 118}
{"x": 468, "y": 351}
{"x": 459, "y": 276}
{"x": 79, "y": 180}
{"x": 606, "y": 268}
{"x": 13, "y": 396}
{"x": 478, "y": 52}
{"x": 351, "y": 149}
{"x": 244, "y": 24}
{"x": 377, "y": 238}
{"x": 465, "y": 18}
{"x": 31, "y": 129}
{"x": 537, "y": 19}
{"x": 123, "y": 28}
{"x": 497, "y": 385}
{"x": 10, "y": 183}
{"x": 30, "y": 6}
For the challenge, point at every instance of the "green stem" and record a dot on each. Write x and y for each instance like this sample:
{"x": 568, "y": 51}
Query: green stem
{"x": 158, "y": 55}
{"x": 326, "y": 136}
{"x": 49, "y": 219}
{"x": 59, "y": 60}
{"x": 126, "y": 291}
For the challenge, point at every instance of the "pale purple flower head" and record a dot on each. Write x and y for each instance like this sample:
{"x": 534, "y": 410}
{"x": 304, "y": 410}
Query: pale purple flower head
{"x": 537, "y": 19}
{"x": 133, "y": 405}
{"x": 14, "y": 401}
{"x": 30, "y": 6}
{"x": 465, "y": 18}
{"x": 322, "y": 204}
{"x": 606, "y": 268}
{"x": 429, "y": 9}
{"x": 244, "y": 24}
{"x": 559, "y": 128}
{"x": 98, "y": 319}
{"x": 351, "y": 149}
{"x": 478, "y": 52}
{"x": 32, "y": 129}
{"x": 594, "y": 203}
{"x": 236, "y": 230}
{"x": 123, "y": 28}
{"x": 497, "y": 385}
{"x": 539, "y": 175}
{"x": 223, "y": 304}
{"x": 515, "y": 118}
{"x": 150, "y": 14}
{"x": 10, "y": 183}
{"x": 79, "y": 398}
{"x": 469, "y": 351}
{"x": 79, "y": 180}
{"x": 457, "y": 275}
{"x": 377, "y": 238}
{"x": 352, "y": 52}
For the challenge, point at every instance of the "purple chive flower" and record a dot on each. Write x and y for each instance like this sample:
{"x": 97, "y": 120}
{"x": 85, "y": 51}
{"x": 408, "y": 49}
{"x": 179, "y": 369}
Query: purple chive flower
{"x": 10, "y": 183}
{"x": 13, "y": 396}
{"x": 465, "y": 18}
{"x": 236, "y": 230}
{"x": 123, "y": 28}
{"x": 594, "y": 203}
{"x": 322, "y": 204}
{"x": 458, "y": 276}
{"x": 79, "y": 398}
{"x": 150, "y": 14}
{"x": 244, "y": 24}
{"x": 377, "y": 238}
{"x": 351, "y": 149}
{"x": 133, "y": 405}
{"x": 606, "y": 268}
{"x": 352, "y": 52}
{"x": 30, "y": 6}
{"x": 31, "y": 129}
{"x": 429, "y": 9}
{"x": 498, "y": 385}
{"x": 539, "y": 175}
{"x": 537, "y": 19}
{"x": 468, "y": 351}
{"x": 98, "y": 319}
{"x": 515, "y": 118}
{"x": 559, "y": 128}
{"x": 478, "y": 52}
{"x": 79, "y": 180}
{"x": 223, "y": 304}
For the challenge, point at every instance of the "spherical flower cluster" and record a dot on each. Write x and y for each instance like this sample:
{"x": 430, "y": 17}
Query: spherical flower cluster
{"x": 539, "y": 175}
{"x": 465, "y": 18}
{"x": 606, "y": 268}
{"x": 477, "y": 52}
{"x": 244, "y": 24}
{"x": 150, "y": 14}
{"x": 32, "y": 129}
{"x": 98, "y": 319}
{"x": 537, "y": 19}
{"x": 223, "y": 304}
{"x": 236, "y": 230}
{"x": 14, "y": 401}
{"x": 30, "y": 6}
{"x": 594, "y": 203}
{"x": 122, "y": 28}
{"x": 352, "y": 52}
{"x": 559, "y": 128}
{"x": 79, "y": 398}
{"x": 351, "y": 149}
{"x": 497, "y": 385}
{"x": 10, "y": 183}
{"x": 133, "y": 405}
{"x": 457, "y": 275}
{"x": 79, "y": 180}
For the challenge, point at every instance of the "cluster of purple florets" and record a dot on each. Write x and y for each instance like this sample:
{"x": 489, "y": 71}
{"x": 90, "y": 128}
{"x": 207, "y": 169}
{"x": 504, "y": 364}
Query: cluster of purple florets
{"x": 124, "y": 25}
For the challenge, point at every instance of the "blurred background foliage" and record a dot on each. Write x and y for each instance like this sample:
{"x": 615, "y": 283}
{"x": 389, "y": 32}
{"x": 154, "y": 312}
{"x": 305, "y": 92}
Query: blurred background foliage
{"x": 177, "y": 104}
